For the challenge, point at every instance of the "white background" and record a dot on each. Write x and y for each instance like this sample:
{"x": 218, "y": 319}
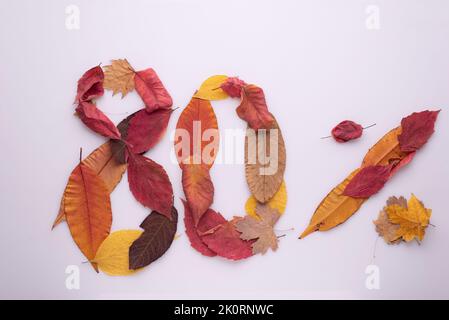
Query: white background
{"x": 318, "y": 64}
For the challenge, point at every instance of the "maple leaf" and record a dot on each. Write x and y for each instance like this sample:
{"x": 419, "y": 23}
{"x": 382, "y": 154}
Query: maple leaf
{"x": 417, "y": 129}
{"x": 90, "y": 85}
{"x": 233, "y": 87}
{"x": 152, "y": 91}
{"x": 253, "y": 108}
{"x": 412, "y": 220}
{"x": 261, "y": 228}
{"x": 157, "y": 237}
{"x": 150, "y": 185}
{"x": 368, "y": 181}
{"x": 96, "y": 120}
{"x": 384, "y": 227}
{"x": 347, "y": 130}
{"x": 119, "y": 77}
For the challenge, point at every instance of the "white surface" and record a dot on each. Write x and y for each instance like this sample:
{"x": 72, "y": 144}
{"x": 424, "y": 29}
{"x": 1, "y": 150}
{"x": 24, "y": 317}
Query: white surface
{"x": 317, "y": 63}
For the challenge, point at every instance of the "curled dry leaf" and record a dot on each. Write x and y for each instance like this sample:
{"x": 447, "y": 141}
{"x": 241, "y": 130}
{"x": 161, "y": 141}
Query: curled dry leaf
{"x": 150, "y": 185}
{"x": 253, "y": 108}
{"x": 96, "y": 120}
{"x": 211, "y": 88}
{"x": 260, "y": 229}
{"x": 151, "y": 90}
{"x": 278, "y": 202}
{"x": 197, "y": 134}
{"x": 119, "y": 77}
{"x": 113, "y": 254}
{"x": 87, "y": 209}
{"x": 90, "y": 85}
{"x": 158, "y": 235}
{"x": 265, "y": 160}
{"x": 198, "y": 188}
{"x": 417, "y": 129}
{"x": 233, "y": 87}
{"x": 368, "y": 181}
{"x": 347, "y": 130}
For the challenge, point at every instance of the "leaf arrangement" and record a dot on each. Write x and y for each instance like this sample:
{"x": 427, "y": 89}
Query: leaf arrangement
{"x": 208, "y": 231}
{"x": 392, "y": 152}
{"x": 86, "y": 204}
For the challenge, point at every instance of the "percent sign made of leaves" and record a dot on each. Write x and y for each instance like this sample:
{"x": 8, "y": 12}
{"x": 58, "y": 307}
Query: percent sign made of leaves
{"x": 86, "y": 205}
{"x": 392, "y": 152}
{"x": 208, "y": 231}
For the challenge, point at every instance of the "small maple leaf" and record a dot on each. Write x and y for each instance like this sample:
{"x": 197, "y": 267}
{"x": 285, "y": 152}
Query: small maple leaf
{"x": 119, "y": 77}
{"x": 261, "y": 228}
{"x": 384, "y": 227}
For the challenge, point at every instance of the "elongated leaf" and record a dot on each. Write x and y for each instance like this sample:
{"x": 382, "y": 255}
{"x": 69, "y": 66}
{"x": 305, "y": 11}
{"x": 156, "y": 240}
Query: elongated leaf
{"x": 151, "y": 90}
{"x": 96, "y": 120}
{"x": 253, "y": 108}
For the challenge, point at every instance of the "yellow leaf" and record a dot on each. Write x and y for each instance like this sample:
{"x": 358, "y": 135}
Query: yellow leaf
{"x": 278, "y": 202}
{"x": 113, "y": 254}
{"x": 211, "y": 90}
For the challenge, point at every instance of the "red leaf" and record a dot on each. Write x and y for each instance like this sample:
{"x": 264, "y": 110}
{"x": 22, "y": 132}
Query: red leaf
{"x": 253, "y": 108}
{"x": 226, "y": 242}
{"x": 209, "y": 220}
{"x": 417, "y": 129}
{"x": 233, "y": 87}
{"x": 368, "y": 181}
{"x": 150, "y": 185}
{"x": 90, "y": 85}
{"x": 347, "y": 130}
{"x": 146, "y": 129}
{"x": 151, "y": 90}
{"x": 96, "y": 120}
{"x": 401, "y": 163}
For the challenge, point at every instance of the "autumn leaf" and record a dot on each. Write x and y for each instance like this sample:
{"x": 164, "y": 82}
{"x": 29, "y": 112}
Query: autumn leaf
{"x": 197, "y": 120}
{"x": 198, "y": 188}
{"x": 384, "y": 150}
{"x": 146, "y": 129}
{"x": 87, "y": 209}
{"x": 158, "y": 235}
{"x": 120, "y": 147}
{"x": 209, "y": 221}
{"x": 233, "y": 87}
{"x": 417, "y": 129}
{"x": 347, "y": 130}
{"x": 264, "y": 167}
{"x": 113, "y": 254}
{"x": 151, "y": 90}
{"x": 384, "y": 227}
{"x": 253, "y": 108}
{"x": 211, "y": 88}
{"x": 90, "y": 85}
{"x": 150, "y": 185}
{"x": 96, "y": 120}
{"x": 260, "y": 229}
{"x": 225, "y": 241}
{"x": 368, "y": 181}
{"x": 119, "y": 77}
{"x": 278, "y": 202}
{"x": 412, "y": 220}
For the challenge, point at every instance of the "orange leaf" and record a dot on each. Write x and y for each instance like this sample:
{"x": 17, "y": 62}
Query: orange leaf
{"x": 87, "y": 209}
{"x": 197, "y": 133}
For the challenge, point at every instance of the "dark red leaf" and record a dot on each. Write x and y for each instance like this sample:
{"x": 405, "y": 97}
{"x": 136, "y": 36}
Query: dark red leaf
{"x": 368, "y": 181}
{"x": 96, "y": 120}
{"x": 225, "y": 241}
{"x": 157, "y": 237}
{"x": 253, "y": 108}
{"x": 150, "y": 185}
{"x": 152, "y": 91}
{"x": 417, "y": 129}
{"x": 146, "y": 129}
{"x": 233, "y": 87}
{"x": 90, "y": 85}
{"x": 347, "y": 130}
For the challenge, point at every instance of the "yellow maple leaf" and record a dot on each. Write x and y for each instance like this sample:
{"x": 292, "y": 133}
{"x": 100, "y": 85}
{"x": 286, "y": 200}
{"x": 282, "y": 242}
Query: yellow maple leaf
{"x": 278, "y": 202}
{"x": 211, "y": 89}
{"x": 113, "y": 254}
{"x": 412, "y": 220}
{"x": 119, "y": 77}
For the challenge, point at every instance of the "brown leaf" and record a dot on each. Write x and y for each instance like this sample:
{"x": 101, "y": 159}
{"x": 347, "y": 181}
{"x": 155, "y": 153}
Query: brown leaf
{"x": 261, "y": 229}
{"x": 119, "y": 77}
{"x": 264, "y": 171}
{"x": 386, "y": 229}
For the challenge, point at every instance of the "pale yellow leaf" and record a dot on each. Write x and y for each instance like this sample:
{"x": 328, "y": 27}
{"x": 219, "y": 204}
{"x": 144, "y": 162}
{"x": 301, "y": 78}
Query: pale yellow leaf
{"x": 278, "y": 202}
